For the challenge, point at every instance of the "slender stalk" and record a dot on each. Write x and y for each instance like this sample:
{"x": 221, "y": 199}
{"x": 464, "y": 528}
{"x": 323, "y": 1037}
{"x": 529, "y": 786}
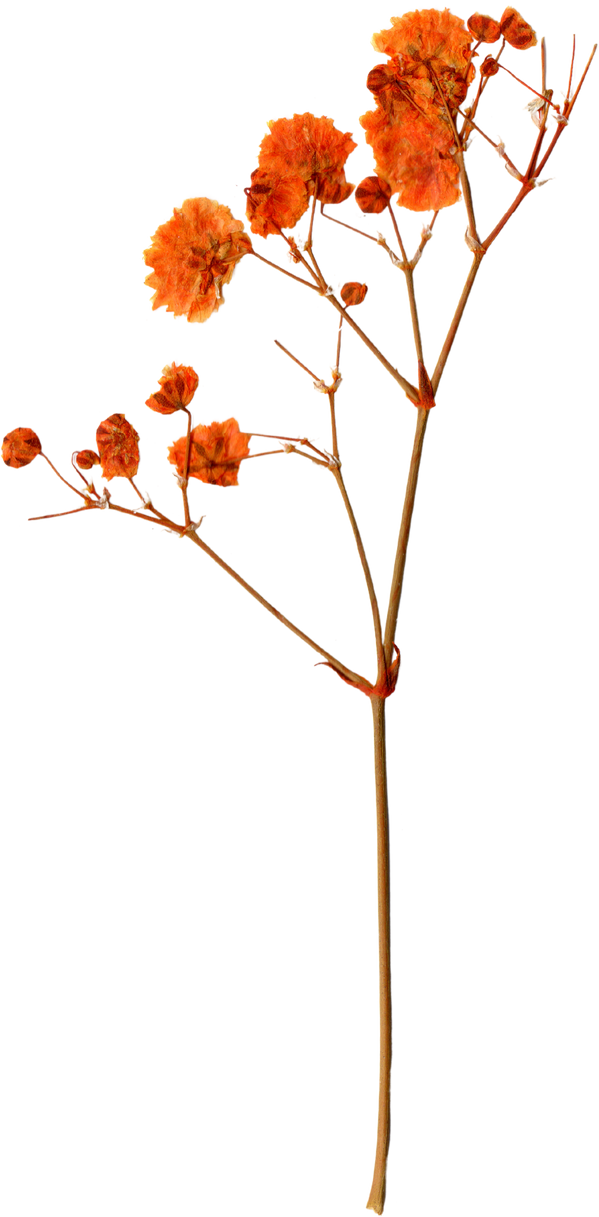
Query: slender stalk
{"x": 408, "y": 278}
{"x": 542, "y": 66}
{"x": 59, "y": 475}
{"x": 457, "y": 317}
{"x": 571, "y": 67}
{"x": 295, "y": 359}
{"x": 185, "y": 478}
{"x": 376, "y": 1200}
{"x": 87, "y": 482}
{"x": 298, "y": 278}
{"x": 335, "y": 663}
{"x": 409, "y": 389}
{"x": 404, "y": 534}
{"x": 515, "y": 173}
{"x": 376, "y": 617}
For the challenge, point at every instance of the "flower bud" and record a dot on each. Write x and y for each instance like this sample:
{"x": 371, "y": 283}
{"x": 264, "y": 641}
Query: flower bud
{"x": 372, "y": 195}
{"x": 485, "y": 29}
{"x": 489, "y": 66}
{"x": 517, "y": 31}
{"x": 87, "y": 458}
{"x": 20, "y": 447}
{"x": 353, "y": 293}
{"x": 118, "y": 447}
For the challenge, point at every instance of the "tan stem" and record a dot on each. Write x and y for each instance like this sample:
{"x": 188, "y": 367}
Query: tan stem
{"x": 322, "y": 387}
{"x": 404, "y": 534}
{"x": 376, "y": 618}
{"x": 376, "y": 1200}
{"x": 74, "y": 489}
{"x": 332, "y": 422}
{"x": 457, "y": 317}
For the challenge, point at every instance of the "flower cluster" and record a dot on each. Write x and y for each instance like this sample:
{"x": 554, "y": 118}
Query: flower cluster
{"x": 193, "y": 255}
{"x": 418, "y": 91}
{"x": 177, "y": 387}
{"x": 215, "y": 453}
{"x": 300, "y": 157}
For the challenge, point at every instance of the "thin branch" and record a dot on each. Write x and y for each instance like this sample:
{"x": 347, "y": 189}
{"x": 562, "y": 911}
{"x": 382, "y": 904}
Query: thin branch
{"x": 295, "y": 360}
{"x": 404, "y": 535}
{"x": 457, "y": 317}
{"x": 459, "y": 156}
{"x": 59, "y": 475}
{"x": 409, "y": 276}
{"x": 360, "y": 231}
{"x": 313, "y": 286}
{"x": 376, "y": 618}
{"x": 490, "y": 141}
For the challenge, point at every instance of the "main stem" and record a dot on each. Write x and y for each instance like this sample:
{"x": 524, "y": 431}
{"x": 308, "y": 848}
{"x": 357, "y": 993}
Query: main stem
{"x": 376, "y": 1200}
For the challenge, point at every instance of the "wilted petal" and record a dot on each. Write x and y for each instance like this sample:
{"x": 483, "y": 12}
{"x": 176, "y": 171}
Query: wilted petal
{"x": 177, "y": 387}
{"x": 20, "y": 447}
{"x": 118, "y": 446}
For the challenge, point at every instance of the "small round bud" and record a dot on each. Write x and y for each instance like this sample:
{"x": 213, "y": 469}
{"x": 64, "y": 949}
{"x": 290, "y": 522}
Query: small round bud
{"x": 485, "y": 29}
{"x": 517, "y": 31}
{"x": 353, "y": 293}
{"x": 87, "y": 458}
{"x": 373, "y": 194}
{"x": 489, "y": 66}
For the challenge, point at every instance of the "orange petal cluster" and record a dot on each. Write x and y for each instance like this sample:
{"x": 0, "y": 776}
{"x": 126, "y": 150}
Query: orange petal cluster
{"x": 485, "y": 29}
{"x": 192, "y": 256}
{"x": 215, "y": 453}
{"x": 20, "y": 447}
{"x": 418, "y": 90}
{"x": 516, "y": 30}
{"x": 300, "y": 157}
{"x": 177, "y": 387}
{"x": 118, "y": 446}
{"x": 353, "y": 294}
{"x": 87, "y": 458}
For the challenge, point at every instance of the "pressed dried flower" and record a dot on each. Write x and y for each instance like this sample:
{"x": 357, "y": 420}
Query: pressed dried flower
{"x": 118, "y": 446}
{"x": 20, "y": 447}
{"x": 311, "y": 149}
{"x": 215, "y": 453}
{"x": 177, "y": 387}
{"x": 427, "y": 36}
{"x": 193, "y": 255}
{"x": 517, "y": 31}
{"x": 275, "y": 202}
{"x": 373, "y": 194}
{"x": 353, "y": 293}
{"x": 415, "y": 157}
{"x": 485, "y": 29}
{"x": 87, "y": 458}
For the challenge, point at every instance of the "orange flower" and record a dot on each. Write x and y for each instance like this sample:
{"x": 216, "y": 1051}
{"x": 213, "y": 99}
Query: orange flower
{"x": 485, "y": 29}
{"x": 417, "y": 92}
{"x": 192, "y": 256}
{"x": 275, "y": 202}
{"x": 215, "y": 453}
{"x": 178, "y": 385}
{"x": 353, "y": 293}
{"x": 309, "y": 148}
{"x": 372, "y": 195}
{"x": 20, "y": 447}
{"x": 87, "y": 458}
{"x": 427, "y": 36}
{"x": 517, "y": 31}
{"x": 118, "y": 447}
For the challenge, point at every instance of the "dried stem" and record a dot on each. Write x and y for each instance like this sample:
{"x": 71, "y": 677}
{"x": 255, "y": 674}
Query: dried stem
{"x": 295, "y": 360}
{"x": 376, "y": 1200}
{"x": 404, "y": 534}
{"x": 409, "y": 276}
{"x": 376, "y": 618}
{"x": 313, "y": 286}
{"x": 457, "y": 317}
{"x": 59, "y": 475}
